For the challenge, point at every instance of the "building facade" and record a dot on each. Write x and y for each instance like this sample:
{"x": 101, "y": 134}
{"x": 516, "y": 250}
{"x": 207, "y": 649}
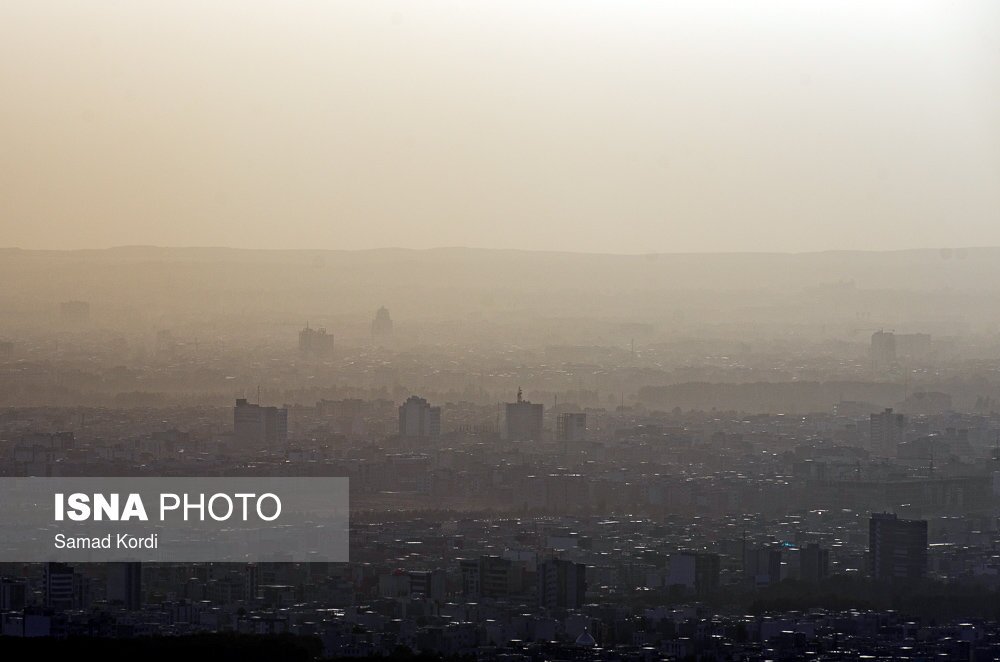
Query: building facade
{"x": 571, "y": 427}
{"x": 524, "y": 420}
{"x": 561, "y": 584}
{"x": 418, "y": 419}
{"x": 886, "y": 431}
{"x": 315, "y": 342}
{"x": 259, "y": 426}
{"x": 897, "y": 548}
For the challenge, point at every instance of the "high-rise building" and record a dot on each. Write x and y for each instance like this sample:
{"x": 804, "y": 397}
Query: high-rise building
{"x": 524, "y": 419}
{"x": 418, "y": 419}
{"x": 814, "y": 563}
{"x": 315, "y": 342}
{"x": 251, "y": 581}
{"x": 395, "y": 584}
{"x": 13, "y": 594}
{"x": 571, "y": 427}
{"x": 561, "y": 584}
{"x": 886, "y": 432}
{"x": 429, "y": 583}
{"x": 381, "y": 325}
{"x": 471, "y": 576}
{"x": 897, "y": 548}
{"x": 125, "y": 584}
{"x": 762, "y": 567}
{"x": 491, "y": 577}
{"x": 64, "y": 587}
{"x": 883, "y": 349}
{"x": 259, "y": 426}
{"x": 695, "y": 571}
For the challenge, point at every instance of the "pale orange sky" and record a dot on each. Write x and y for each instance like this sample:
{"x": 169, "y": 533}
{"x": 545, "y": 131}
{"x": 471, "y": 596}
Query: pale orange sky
{"x": 582, "y": 126}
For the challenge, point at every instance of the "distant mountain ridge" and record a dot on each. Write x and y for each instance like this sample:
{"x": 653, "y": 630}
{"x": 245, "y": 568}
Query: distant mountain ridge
{"x": 885, "y": 288}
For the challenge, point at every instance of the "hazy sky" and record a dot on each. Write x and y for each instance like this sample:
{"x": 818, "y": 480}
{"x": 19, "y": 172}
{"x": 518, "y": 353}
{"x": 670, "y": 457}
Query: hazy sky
{"x": 585, "y": 126}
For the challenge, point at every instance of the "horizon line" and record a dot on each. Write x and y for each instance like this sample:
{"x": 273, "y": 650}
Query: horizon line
{"x": 497, "y": 250}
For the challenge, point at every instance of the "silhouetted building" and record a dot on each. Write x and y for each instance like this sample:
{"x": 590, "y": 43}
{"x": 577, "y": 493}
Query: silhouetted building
{"x": 418, "y": 419}
{"x": 13, "y": 595}
{"x": 695, "y": 571}
{"x": 897, "y": 548}
{"x": 571, "y": 427}
{"x": 251, "y": 581}
{"x": 429, "y": 583}
{"x": 315, "y": 342}
{"x": 762, "y": 566}
{"x": 76, "y": 312}
{"x": 64, "y": 587}
{"x": 886, "y": 432}
{"x": 260, "y": 426}
{"x": 814, "y": 563}
{"x": 561, "y": 584}
{"x": 524, "y": 419}
{"x": 382, "y": 324}
{"x": 491, "y": 577}
{"x": 883, "y": 349}
{"x": 125, "y": 584}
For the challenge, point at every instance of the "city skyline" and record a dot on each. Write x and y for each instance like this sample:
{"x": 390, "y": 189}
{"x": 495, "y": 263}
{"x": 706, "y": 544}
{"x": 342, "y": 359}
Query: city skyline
{"x": 500, "y": 330}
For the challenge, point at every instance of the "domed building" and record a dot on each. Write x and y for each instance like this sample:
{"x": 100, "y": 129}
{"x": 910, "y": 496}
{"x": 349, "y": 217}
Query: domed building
{"x": 381, "y": 326}
{"x": 586, "y": 640}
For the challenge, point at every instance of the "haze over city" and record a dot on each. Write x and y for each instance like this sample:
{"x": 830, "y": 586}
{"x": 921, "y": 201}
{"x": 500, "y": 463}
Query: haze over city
{"x": 500, "y": 331}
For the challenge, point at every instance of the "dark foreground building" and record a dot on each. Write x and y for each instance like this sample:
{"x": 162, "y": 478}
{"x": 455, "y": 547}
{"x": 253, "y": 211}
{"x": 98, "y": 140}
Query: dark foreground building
{"x": 897, "y": 548}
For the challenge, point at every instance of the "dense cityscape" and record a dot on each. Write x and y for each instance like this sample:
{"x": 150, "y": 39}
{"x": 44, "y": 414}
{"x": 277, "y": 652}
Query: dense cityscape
{"x": 499, "y": 331}
{"x": 531, "y": 502}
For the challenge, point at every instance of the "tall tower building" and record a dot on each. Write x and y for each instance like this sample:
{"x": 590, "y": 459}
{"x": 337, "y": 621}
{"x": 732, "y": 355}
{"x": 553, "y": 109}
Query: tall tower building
{"x": 251, "y": 581}
{"x": 491, "y": 577}
{"x": 571, "y": 427}
{"x": 259, "y": 426}
{"x": 524, "y": 420}
{"x": 64, "y": 587}
{"x": 883, "y": 349}
{"x": 381, "y": 325}
{"x": 125, "y": 584}
{"x": 417, "y": 418}
{"x": 315, "y": 342}
{"x": 696, "y": 571}
{"x": 762, "y": 566}
{"x": 814, "y": 563}
{"x": 897, "y": 548}
{"x": 561, "y": 584}
{"x": 13, "y": 594}
{"x": 886, "y": 432}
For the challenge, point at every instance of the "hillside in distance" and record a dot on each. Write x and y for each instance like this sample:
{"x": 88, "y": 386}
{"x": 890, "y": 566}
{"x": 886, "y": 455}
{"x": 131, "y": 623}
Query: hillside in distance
{"x": 941, "y": 291}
